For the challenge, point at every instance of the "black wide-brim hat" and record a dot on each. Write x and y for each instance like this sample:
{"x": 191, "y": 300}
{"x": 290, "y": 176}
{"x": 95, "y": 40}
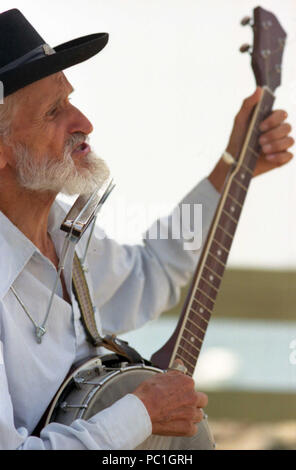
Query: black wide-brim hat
{"x": 26, "y": 58}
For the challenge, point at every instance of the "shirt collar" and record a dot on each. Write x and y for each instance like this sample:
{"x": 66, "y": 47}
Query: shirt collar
{"x": 16, "y": 249}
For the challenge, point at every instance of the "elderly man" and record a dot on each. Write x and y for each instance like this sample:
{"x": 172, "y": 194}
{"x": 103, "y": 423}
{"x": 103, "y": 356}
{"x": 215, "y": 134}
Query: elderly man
{"x": 44, "y": 151}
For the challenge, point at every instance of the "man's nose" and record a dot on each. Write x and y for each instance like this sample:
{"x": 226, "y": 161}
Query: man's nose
{"x": 80, "y": 123}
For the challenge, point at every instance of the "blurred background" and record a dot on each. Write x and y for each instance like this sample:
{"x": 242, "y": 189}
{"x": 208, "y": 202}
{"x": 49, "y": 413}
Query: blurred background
{"x": 162, "y": 97}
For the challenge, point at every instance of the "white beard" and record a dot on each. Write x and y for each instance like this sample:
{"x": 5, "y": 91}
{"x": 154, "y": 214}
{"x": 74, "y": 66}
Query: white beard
{"x": 48, "y": 174}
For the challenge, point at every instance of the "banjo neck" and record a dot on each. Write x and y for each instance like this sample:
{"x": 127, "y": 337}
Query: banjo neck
{"x": 189, "y": 335}
{"x": 187, "y": 339}
{"x": 209, "y": 273}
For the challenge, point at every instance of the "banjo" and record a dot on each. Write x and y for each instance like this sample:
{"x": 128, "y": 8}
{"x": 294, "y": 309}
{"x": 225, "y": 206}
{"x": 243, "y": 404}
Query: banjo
{"x": 100, "y": 381}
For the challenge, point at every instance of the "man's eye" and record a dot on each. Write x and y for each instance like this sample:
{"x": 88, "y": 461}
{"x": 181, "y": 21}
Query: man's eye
{"x": 52, "y": 111}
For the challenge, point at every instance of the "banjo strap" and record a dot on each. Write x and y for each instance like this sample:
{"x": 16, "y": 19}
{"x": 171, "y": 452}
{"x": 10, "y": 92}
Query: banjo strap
{"x": 87, "y": 310}
{"x": 82, "y": 295}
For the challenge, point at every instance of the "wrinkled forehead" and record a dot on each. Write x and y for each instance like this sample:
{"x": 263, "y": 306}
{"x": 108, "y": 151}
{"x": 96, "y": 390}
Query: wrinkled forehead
{"x": 48, "y": 87}
{"x": 45, "y": 91}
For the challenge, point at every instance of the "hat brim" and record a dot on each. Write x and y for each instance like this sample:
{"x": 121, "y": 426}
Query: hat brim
{"x": 67, "y": 54}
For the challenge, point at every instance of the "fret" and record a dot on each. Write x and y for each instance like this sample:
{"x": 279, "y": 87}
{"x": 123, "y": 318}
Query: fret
{"x": 192, "y": 339}
{"x": 218, "y": 260}
{"x": 244, "y": 176}
{"x": 228, "y": 225}
{"x": 253, "y": 152}
{"x": 215, "y": 264}
{"x": 237, "y": 192}
{"x": 240, "y": 184}
{"x": 204, "y": 300}
{"x": 195, "y": 324}
{"x": 199, "y": 327}
{"x": 205, "y": 295}
{"x": 214, "y": 280}
{"x": 190, "y": 355}
{"x": 210, "y": 285}
{"x": 201, "y": 308}
{"x": 189, "y": 342}
{"x": 197, "y": 334}
{"x": 230, "y": 216}
{"x": 222, "y": 236}
{"x": 231, "y": 208}
{"x": 209, "y": 290}
{"x": 220, "y": 245}
{"x": 218, "y": 250}
{"x": 234, "y": 200}
{"x": 189, "y": 348}
{"x": 190, "y": 370}
{"x": 250, "y": 161}
{"x": 196, "y": 319}
{"x": 225, "y": 231}
{"x": 186, "y": 364}
{"x": 247, "y": 169}
{"x": 213, "y": 272}
{"x": 198, "y": 314}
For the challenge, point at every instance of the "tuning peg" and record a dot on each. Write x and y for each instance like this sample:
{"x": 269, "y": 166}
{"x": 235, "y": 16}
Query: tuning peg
{"x": 245, "y": 48}
{"x": 246, "y": 20}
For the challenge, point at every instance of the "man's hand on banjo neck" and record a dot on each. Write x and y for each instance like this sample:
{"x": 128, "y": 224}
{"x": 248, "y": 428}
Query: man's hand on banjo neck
{"x": 174, "y": 406}
{"x": 275, "y": 141}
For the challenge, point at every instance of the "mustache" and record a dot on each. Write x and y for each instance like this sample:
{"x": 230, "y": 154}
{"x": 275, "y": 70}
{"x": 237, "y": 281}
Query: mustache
{"x": 74, "y": 140}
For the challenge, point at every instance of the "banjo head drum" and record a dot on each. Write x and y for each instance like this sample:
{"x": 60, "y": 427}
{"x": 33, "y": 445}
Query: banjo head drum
{"x": 98, "y": 383}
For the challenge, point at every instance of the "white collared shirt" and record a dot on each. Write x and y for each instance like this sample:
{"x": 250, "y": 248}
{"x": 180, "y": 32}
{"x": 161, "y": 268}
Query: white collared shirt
{"x": 129, "y": 285}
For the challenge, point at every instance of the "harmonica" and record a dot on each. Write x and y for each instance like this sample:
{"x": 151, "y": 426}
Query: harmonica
{"x": 85, "y": 209}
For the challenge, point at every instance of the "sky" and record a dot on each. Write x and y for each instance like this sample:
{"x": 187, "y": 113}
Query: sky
{"x": 162, "y": 97}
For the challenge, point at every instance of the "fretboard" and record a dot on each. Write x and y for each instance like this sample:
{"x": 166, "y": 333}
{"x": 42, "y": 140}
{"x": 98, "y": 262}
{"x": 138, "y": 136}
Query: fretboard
{"x": 188, "y": 337}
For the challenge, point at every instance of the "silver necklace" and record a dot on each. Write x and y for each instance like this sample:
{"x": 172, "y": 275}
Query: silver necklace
{"x": 40, "y": 330}
{"x": 86, "y": 209}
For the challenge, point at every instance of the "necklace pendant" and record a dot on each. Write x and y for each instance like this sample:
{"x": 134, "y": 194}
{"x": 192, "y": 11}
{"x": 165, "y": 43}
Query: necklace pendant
{"x": 39, "y": 332}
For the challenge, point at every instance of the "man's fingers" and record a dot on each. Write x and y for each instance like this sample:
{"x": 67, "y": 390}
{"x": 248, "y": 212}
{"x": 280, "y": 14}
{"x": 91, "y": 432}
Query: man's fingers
{"x": 183, "y": 422}
{"x": 271, "y": 161}
{"x": 275, "y": 138}
{"x": 202, "y": 400}
{"x": 177, "y": 428}
{"x": 278, "y": 145}
{"x": 178, "y": 365}
{"x": 273, "y": 120}
{"x": 187, "y": 413}
{"x": 198, "y": 415}
{"x": 280, "y": 158}
{"x": 172, "y": 401}
{"x": 281, "y": 131}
